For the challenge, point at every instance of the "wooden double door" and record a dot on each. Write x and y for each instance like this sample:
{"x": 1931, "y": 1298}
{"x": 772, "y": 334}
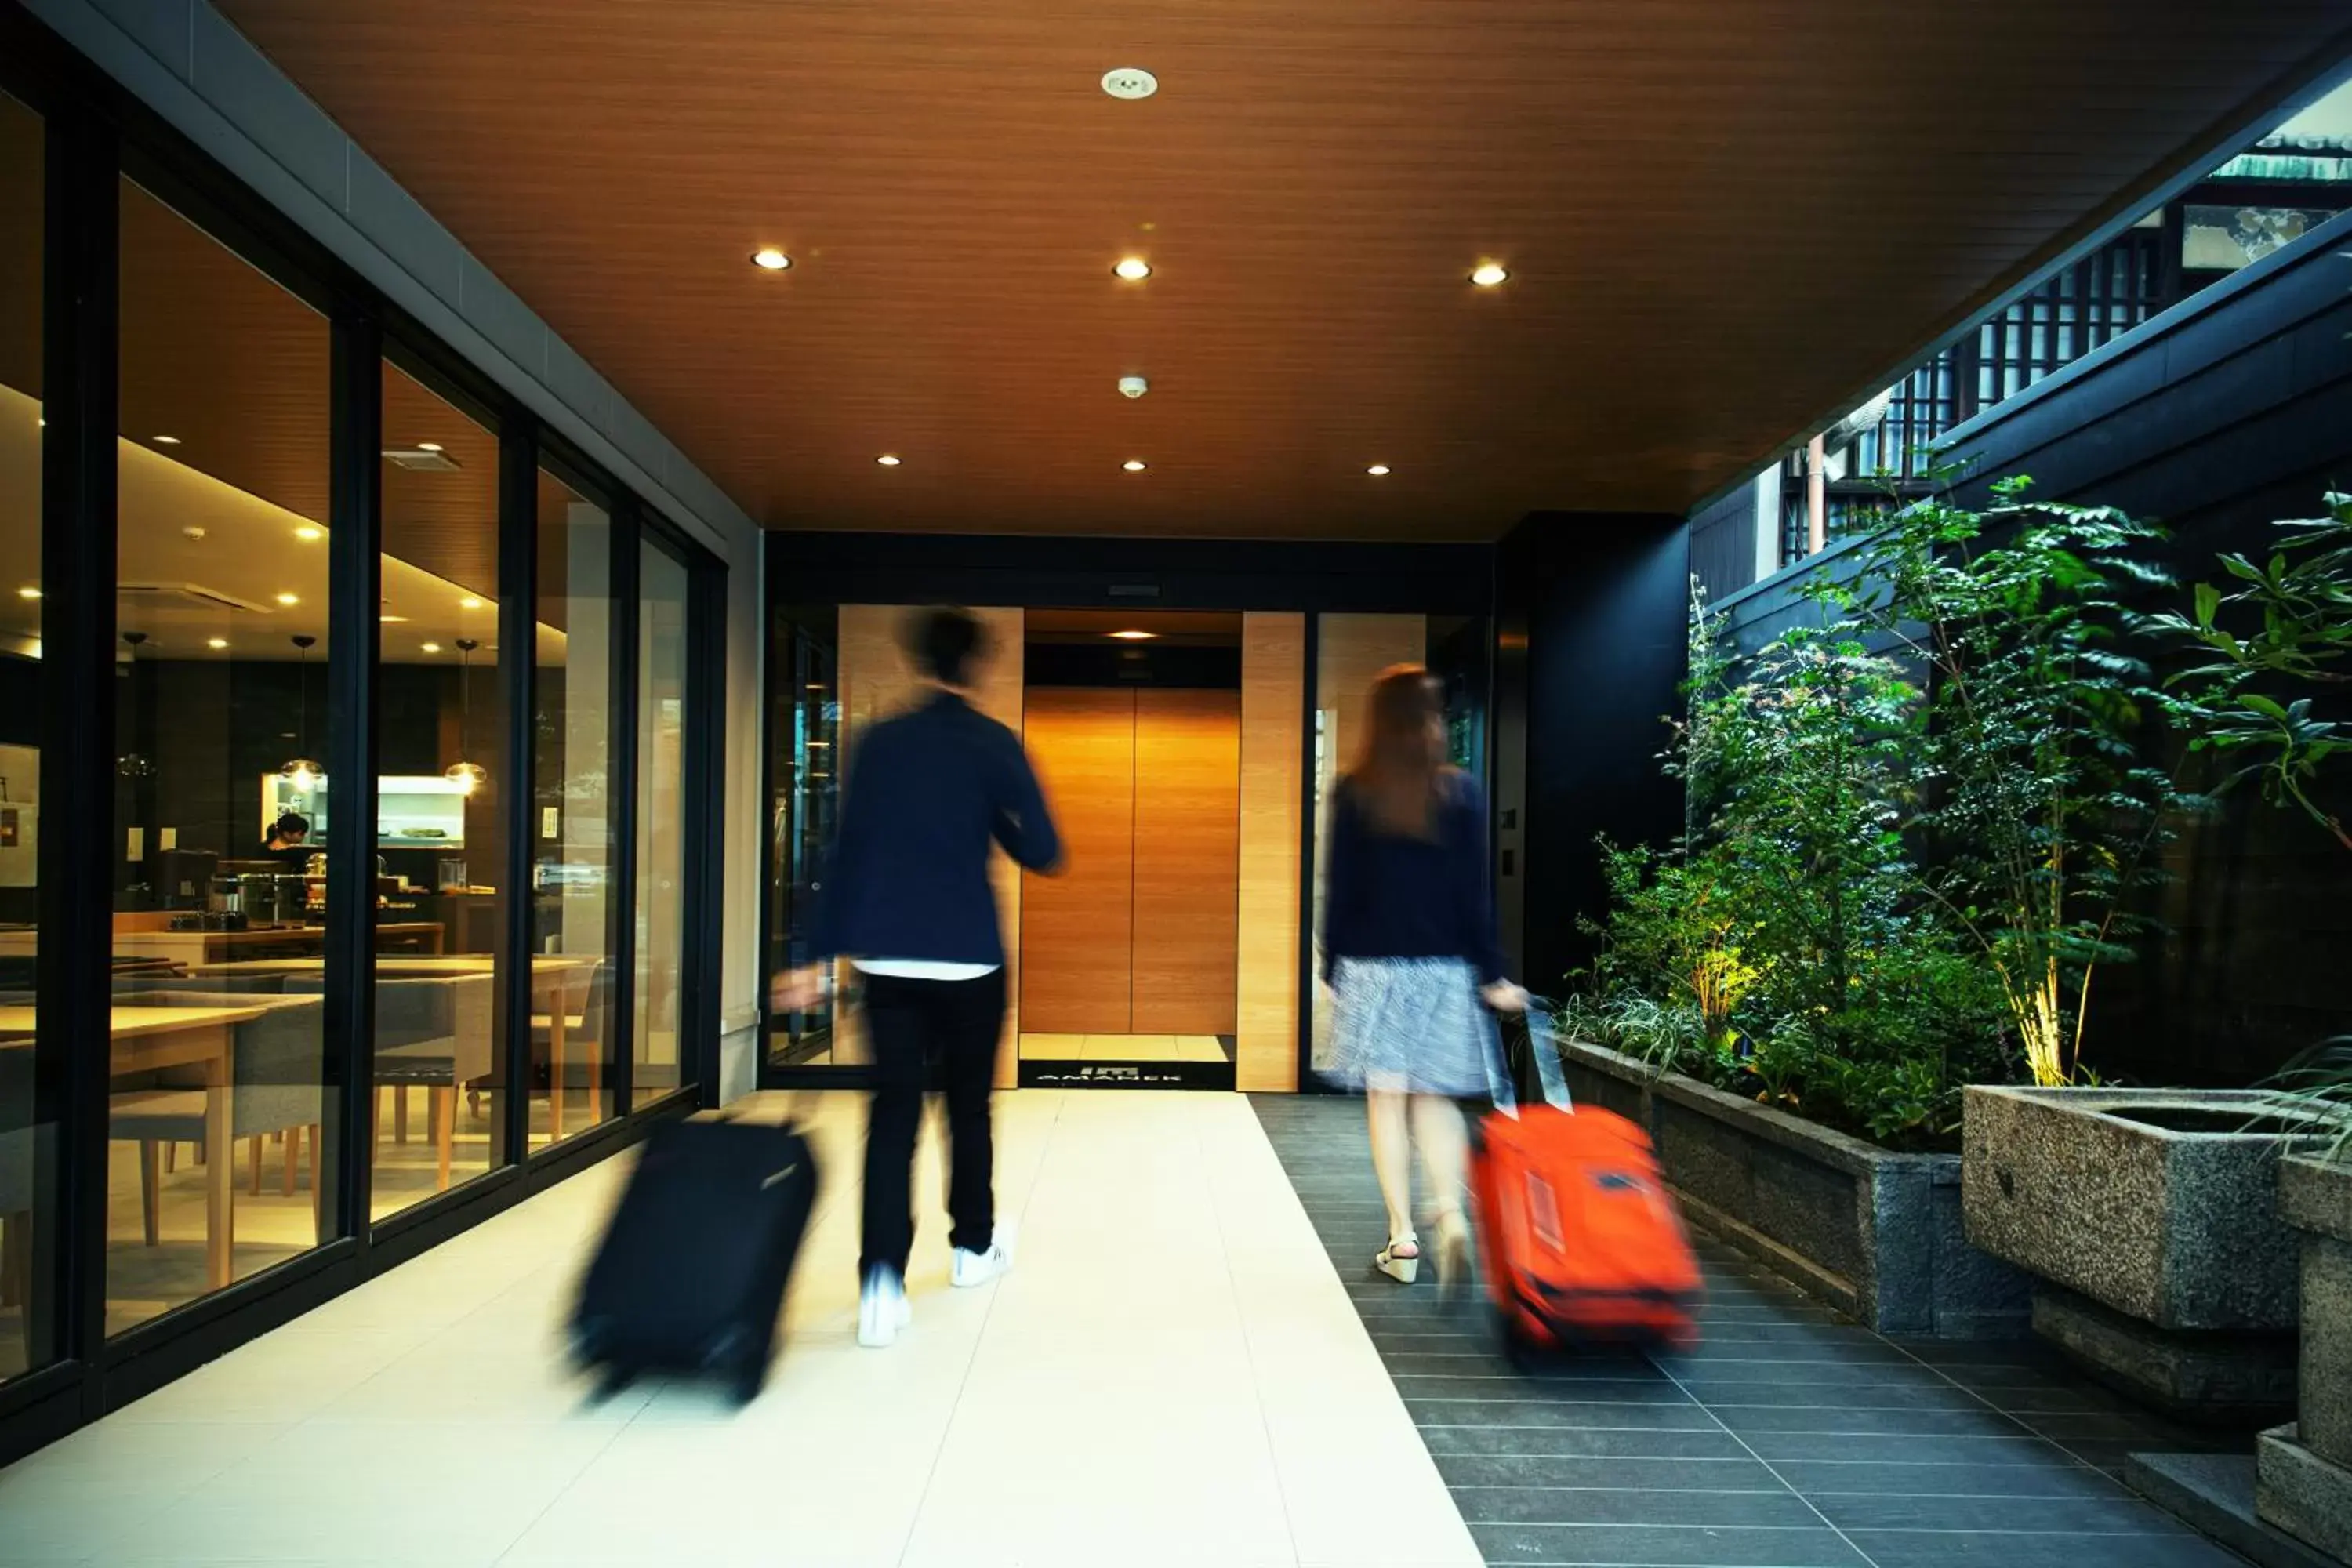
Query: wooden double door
{"x": 1139, "y": 934}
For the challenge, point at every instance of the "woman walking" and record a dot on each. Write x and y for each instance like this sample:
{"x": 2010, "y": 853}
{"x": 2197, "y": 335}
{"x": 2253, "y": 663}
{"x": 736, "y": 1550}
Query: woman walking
{"x": 1410, "y": 955}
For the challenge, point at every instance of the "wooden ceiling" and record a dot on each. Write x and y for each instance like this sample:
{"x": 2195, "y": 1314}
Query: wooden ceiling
{"x": 1723, "y": 220}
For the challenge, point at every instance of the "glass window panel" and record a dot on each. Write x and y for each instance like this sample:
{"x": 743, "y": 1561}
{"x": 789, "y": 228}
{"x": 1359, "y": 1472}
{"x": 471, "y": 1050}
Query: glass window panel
{"x": 219, "y": 1122}
{"x": 1352, "y": 650}
{"x": 443, "y": 802}
{"x": 804, "y": 738}
{"x": 28, "y": 1146}
{"x": 2224, "y": 238}
{"x": 573, "y": 912}
{"x": 662, "y": 650}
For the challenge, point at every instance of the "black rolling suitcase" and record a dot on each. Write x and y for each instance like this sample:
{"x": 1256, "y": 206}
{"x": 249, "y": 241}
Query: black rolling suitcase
{"x": 690, "y": 1274}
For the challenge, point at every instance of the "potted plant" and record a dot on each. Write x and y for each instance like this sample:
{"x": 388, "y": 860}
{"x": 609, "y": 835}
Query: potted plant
{"x": 1776, "y": 1004}
{"x": 2304, "y": 1472}
{"x": 2285, "y": 624}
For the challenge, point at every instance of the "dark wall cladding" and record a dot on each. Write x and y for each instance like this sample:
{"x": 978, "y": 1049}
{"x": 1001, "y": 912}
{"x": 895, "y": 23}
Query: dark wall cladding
{"x": 1723, "y": 542}
{"x": 2234, "y": 411}
{"x": 1069, "y": 664}
{"x": 1582, "y": 709}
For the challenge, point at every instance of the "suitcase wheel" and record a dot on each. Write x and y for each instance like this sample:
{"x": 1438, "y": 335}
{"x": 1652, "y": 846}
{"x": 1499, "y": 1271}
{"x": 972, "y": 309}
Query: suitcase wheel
{"x": 590, "y": 1340}
{"x": 744, "y": 1385}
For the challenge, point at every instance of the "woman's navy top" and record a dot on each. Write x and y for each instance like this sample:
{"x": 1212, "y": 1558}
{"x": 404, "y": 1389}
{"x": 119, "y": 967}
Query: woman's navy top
{"x": 1389, "y": 896}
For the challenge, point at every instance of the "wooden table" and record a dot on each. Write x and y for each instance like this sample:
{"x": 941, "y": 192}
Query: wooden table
{"x": 553, "y": 980}
{"x": 201, "y": 947}
{"x": 143, "y": 1039}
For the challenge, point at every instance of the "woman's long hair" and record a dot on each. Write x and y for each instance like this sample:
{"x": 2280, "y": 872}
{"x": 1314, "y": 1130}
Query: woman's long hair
{"x": 1400, "y": 767}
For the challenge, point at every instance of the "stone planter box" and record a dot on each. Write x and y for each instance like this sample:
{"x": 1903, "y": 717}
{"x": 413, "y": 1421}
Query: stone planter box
{"x": 2304, "y": 1473}
{"x": 2152, "y": 1215}
{"x": 1876, "y": 1235}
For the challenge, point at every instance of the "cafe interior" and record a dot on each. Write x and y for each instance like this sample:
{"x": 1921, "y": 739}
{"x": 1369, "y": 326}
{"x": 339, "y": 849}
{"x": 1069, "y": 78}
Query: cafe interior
{"x": 221, "y": 1114}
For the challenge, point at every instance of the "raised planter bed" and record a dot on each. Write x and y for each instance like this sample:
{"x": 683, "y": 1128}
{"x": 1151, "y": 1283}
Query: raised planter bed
{"x": 2150, "y": 1217}
{"x": 2304, "y": 1473}
{"x": 1876, "y": 1235}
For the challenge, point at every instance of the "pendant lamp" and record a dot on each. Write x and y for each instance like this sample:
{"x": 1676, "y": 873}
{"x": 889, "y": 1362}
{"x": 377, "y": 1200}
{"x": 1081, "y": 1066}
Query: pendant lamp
{"x": 135, "y": 764}
{"x": 302, "y": 770}
{"x": 467, "y": 777}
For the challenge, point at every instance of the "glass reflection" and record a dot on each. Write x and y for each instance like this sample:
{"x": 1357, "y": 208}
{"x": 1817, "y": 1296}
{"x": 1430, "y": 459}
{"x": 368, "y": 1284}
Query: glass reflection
{"x": 662, "y": 650}
{"x": 28, "y": 1147}
{"x": 219, "y": 1120}
{"x": 440, "y": 838}
{"x": 573, "y": 911}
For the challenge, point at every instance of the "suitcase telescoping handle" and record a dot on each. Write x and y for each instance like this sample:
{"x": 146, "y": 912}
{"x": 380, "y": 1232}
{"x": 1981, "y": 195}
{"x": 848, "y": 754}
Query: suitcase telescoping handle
{"x": 1531, "y": 1063}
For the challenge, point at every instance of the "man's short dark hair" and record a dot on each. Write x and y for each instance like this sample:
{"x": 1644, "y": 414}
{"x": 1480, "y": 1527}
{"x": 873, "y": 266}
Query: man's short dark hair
{"x": 945, "y": 642}
{"x": 290, "y": 826}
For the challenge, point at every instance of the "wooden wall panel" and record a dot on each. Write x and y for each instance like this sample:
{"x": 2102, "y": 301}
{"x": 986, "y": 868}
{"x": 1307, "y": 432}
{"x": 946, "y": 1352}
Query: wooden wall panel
{"x": 1187, "y": 860}
{"x": 1077, "y": 928}
{"x": 874, "y": 683}
{"x": 1273, "y": 702}
{"x": 1000, "y": 695}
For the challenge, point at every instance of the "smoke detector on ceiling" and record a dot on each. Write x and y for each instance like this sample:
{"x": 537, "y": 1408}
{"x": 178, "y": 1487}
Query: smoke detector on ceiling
{"x": 1133, "y": 387}
{"x": 1130, "y": 82}
{"x": 421, "y": 459}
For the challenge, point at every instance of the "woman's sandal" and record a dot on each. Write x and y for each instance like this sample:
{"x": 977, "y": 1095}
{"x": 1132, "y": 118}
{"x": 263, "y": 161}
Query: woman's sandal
{"x": 1452, "y": 1250}
{"x": 1400, "y": 1259}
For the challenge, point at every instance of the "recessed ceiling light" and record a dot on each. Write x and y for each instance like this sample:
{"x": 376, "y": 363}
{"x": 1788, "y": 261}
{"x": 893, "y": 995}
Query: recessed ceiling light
{"x": 768, "y": 258}
{"x": 428, "y": 446}
{"x": 28, "y": 593}
{"x": 1134, "y": 269}
{"x": 393, "y": 620}
{"x": 887, "y": 460}
{"x": 431, "y": 647}
{"x": 469, "y": 603}
{"x": 1378, "y": 470}
{"x": 289, "y": 599}
{"x": 217, "y": 642}
{"x": 167, "y": 440}
{"x": 1487, "y": 274}
{"x": 1133, "y": 465}
{"x": 1135, "y": 637}
{"x": 310, "y": 535}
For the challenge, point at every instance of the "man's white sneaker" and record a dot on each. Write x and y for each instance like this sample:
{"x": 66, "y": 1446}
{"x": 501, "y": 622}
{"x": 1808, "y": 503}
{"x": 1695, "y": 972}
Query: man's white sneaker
{"x": 882, "y": 1309}
{"x": 971, "y": 1269}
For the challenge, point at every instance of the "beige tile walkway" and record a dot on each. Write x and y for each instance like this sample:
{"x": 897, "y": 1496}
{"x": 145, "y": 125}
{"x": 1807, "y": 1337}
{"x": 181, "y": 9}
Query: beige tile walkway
{"x": 1171, "y": 1373}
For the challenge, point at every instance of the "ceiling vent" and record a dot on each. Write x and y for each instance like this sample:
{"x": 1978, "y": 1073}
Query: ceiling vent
{"x": 417, "y": 461}
{"x": 185, "y": 595}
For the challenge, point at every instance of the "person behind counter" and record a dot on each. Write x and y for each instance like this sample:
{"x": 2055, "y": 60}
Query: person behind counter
{"x": 288, "y": 842}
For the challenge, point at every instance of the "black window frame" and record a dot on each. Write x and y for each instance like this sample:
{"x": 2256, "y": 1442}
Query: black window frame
{"x": 96, "y": 134}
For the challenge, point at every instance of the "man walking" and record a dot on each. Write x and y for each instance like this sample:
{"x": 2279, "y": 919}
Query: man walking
{"x": 907, "y": 899}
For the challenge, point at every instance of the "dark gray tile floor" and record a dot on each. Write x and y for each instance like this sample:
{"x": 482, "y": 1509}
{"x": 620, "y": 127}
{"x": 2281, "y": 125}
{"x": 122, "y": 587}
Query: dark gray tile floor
{"x": 1790, "y": 1438}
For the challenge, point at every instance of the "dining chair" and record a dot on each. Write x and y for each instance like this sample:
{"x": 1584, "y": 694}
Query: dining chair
{"x": 434, "y": 1032}
{"x": 278, "y": 1060}
{"x": 584, "y": 1034}
{"x": 17, "y": 1173}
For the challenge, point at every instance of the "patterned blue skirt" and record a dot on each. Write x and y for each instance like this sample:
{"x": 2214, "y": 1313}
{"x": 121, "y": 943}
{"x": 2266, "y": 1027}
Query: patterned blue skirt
{"x": 1415, "y": 1024}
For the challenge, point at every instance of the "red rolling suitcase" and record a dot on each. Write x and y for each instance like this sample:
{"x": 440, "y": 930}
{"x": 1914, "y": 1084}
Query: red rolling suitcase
{"x": 1579, "y": 1238}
